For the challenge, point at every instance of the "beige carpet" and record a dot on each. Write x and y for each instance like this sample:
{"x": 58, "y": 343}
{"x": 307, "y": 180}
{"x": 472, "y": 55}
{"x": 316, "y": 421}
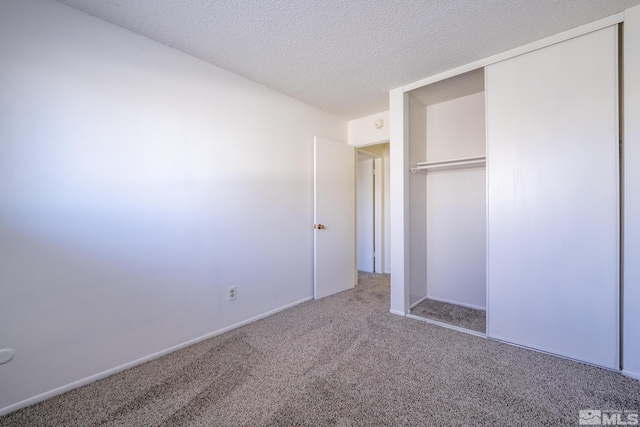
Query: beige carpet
{"x": 342, "y": 361}
{"x": 452, "y": 314}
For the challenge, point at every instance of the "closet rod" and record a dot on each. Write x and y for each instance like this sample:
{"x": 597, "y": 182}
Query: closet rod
{"x": 467, "y": 161}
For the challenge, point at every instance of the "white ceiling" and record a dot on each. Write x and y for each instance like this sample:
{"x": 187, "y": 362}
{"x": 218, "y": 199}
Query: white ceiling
{"x": 343, "y": 56}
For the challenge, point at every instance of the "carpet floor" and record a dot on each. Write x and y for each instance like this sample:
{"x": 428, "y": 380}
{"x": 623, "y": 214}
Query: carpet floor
{"x": 342, "y": 361}
{"x": 452, "y": 314}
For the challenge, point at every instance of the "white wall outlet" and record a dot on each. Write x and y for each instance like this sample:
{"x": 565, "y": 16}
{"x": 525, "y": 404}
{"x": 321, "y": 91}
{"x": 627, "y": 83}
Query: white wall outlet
{"x": 232, "y": 293}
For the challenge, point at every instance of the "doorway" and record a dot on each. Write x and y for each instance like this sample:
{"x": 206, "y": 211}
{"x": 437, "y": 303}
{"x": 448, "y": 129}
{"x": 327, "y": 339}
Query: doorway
{"x": 372, "y": 206}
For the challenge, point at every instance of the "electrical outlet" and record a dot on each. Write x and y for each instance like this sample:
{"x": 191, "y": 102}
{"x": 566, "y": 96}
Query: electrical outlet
{"x": 232, "y": 293}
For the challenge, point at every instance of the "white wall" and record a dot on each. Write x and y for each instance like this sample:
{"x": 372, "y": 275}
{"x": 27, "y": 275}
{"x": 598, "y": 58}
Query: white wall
{"x": 456, "y": 237}
{"x": 456, "y": 128}
{"x": 417, "y": 201}
{"x": 456, "y": 203}
{"x": 364, "y": 132}
{"x": 631, "y": 238}
{"x": 399, "y": 207}
{"x": 136, "y": 185}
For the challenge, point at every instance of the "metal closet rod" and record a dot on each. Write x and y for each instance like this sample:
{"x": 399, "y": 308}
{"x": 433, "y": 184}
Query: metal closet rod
{"x": 466, "y": 161}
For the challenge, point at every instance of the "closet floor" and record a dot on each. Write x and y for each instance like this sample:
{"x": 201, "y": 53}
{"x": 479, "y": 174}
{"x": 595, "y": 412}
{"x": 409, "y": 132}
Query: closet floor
{"x": 452, "y": 314}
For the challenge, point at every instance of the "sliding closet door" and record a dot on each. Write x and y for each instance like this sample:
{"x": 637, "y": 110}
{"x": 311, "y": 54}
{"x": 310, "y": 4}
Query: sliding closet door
{"x": 553, "y": 204}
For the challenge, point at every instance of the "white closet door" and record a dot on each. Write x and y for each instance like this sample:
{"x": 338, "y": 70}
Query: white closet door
{"x": 553, "y": 204}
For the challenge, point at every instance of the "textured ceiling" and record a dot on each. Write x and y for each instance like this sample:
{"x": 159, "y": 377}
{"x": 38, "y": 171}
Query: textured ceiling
{"x": 343, "y": 56}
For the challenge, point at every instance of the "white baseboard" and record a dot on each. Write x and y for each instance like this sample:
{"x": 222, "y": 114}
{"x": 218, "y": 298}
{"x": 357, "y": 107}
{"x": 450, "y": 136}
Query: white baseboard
{"x": 418, "y": 302}
{"x": 397, "y": 312}
{"x": 84, "y": 381}
{"x": 631, "y": 374}
{"x": 476, "y": 307}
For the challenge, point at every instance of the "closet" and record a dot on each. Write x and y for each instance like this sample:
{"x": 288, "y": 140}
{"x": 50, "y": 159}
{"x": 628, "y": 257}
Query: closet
{"x": 514, "y": 200}
{"x": 448, "y": 201}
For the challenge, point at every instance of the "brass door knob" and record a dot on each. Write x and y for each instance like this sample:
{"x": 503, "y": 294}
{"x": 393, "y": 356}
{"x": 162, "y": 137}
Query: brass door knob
{"x": 320, "y": 227}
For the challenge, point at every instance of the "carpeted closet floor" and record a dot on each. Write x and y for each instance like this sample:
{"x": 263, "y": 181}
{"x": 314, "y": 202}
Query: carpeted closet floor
{"x": 452, "y": 314}
{"x": 342, "y": 361}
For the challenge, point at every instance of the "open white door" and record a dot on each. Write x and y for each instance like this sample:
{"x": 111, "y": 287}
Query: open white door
{"x": 365, "y": 207}
{"x": 334, "y": 217}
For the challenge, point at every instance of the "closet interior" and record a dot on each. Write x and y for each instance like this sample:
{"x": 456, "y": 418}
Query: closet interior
{"x": 448, "y": 202}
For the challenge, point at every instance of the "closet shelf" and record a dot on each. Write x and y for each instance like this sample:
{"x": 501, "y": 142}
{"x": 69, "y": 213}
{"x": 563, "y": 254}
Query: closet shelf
{"x": 463, "y": 163}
